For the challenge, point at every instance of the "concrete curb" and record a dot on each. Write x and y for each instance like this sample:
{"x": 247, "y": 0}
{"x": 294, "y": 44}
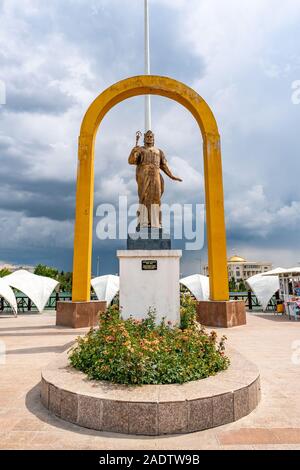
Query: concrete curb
{"x": 151, "y": 409}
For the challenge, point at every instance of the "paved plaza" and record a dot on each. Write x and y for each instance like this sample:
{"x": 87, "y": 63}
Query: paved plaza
{"x": 33, "y": 340}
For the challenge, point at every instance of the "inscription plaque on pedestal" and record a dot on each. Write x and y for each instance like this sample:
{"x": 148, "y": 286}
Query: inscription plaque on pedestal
{"x": 149, "y": 265}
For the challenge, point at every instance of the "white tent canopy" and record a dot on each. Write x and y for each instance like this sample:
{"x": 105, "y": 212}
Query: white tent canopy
{"x": 284, "y": 271}
{"x": 106, "y": 287}
{"x": 37, "y": 288}
{"x": 8, "y": 294}
{"x": 198, "y": 285}
{"x": 264, "y": 286}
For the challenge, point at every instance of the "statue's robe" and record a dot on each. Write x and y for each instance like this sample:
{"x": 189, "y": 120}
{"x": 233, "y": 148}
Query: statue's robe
{"x": 149, "y": 162}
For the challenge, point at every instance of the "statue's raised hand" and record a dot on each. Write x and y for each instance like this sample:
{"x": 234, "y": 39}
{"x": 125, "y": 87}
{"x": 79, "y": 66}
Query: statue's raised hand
{"x": 177, "y": 179}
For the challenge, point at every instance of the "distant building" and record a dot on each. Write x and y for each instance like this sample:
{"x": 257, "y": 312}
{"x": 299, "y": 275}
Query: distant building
{"x": 240, "y": 269}
{"x": 12, "y": 267}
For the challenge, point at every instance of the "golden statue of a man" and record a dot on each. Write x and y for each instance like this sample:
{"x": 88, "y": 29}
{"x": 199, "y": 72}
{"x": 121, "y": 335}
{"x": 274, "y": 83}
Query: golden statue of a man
{"x": 149, "y": 160}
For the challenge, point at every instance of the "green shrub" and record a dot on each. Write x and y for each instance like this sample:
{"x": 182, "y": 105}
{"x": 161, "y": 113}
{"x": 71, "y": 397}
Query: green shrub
{"x": 187, "y": 311}
{"x": 142, "y": 352}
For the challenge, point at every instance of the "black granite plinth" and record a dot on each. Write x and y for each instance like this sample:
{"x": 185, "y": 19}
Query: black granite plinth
{"x": 149, "y": 239}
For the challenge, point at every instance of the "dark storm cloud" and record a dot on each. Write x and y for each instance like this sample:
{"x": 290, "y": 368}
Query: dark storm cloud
{"x": 19, "y": 191}
{"x": 34, "y": 255}
{"x": 37, "y": 97}
{"x": 51, "y": 199}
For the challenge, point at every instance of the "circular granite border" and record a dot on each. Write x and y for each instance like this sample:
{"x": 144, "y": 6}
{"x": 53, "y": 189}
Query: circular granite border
{"x": 151, "y": 409}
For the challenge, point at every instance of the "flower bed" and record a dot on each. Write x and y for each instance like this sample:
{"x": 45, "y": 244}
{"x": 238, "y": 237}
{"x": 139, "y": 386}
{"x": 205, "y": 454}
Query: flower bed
{"x": 142, "y": 352}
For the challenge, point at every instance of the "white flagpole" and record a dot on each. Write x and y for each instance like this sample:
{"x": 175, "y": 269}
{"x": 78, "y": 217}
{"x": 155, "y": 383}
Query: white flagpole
{"x": 147, "y": 68}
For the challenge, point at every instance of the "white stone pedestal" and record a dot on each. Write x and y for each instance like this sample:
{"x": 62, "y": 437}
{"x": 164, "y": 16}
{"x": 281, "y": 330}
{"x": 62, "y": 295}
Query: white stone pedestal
{"x": 150, "y": 279}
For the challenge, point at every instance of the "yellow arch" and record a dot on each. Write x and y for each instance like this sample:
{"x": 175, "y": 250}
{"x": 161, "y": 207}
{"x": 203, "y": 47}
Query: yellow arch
{"x": 216, "y": 236}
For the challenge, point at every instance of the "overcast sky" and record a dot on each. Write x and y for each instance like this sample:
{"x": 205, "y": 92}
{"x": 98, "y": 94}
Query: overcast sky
{"x": 57, "y": 56}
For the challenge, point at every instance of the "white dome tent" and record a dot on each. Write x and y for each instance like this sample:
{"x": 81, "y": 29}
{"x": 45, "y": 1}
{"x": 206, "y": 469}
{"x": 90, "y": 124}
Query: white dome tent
{"x": 287, "y": 292}
{"x": 264, "y": 286}
{"x": 8, "y": 294}
{"x": 198, "y": 285}
{"x": 37, "y": 288}
{"x": 106, "y": 287}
